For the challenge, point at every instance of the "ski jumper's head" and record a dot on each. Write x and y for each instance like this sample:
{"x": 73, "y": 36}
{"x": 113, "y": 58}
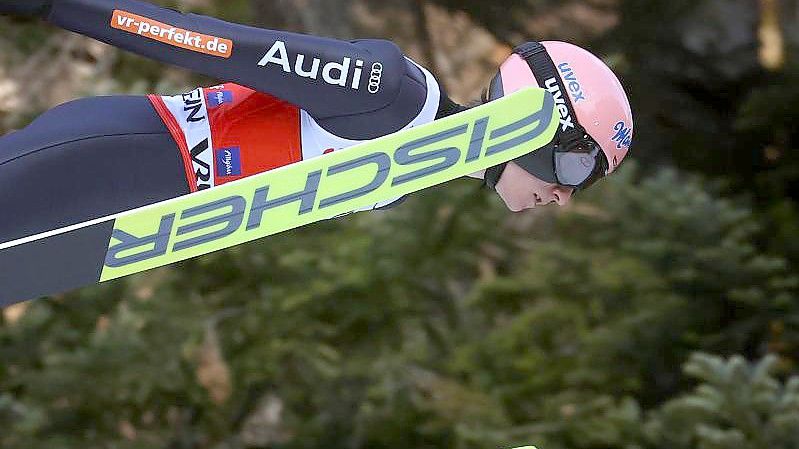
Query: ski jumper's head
{"x": 596, "y": 124}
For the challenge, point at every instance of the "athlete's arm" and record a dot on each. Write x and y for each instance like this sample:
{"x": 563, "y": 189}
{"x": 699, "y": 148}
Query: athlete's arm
{"x": 330, "y": 79}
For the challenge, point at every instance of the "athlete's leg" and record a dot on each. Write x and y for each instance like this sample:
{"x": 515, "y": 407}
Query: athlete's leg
{"x": 83, "y": 160}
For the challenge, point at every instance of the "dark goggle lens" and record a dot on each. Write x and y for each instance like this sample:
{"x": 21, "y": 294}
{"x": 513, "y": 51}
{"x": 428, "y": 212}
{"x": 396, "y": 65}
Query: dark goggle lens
{"x": 576, "y": 166}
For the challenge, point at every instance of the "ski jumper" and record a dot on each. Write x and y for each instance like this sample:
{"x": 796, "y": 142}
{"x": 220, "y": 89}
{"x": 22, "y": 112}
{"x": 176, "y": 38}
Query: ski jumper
{"x": 287, "y": 97}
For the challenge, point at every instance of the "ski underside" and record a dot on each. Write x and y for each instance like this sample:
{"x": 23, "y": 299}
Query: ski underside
{"x": 278, "y": 200}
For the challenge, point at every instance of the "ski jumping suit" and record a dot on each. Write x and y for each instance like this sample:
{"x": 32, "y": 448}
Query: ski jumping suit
{"x": 288, "y": 97}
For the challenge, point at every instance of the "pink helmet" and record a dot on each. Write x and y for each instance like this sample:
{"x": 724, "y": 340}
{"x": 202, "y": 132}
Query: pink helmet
{"x": 591, "y": 101}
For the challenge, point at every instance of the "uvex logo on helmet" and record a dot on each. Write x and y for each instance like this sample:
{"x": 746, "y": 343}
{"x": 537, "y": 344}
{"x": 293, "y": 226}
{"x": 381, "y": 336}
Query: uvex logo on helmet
{"x": 566, "y": 120}
{"x": 334, "y": 73}
{"x": 575, "y": 89}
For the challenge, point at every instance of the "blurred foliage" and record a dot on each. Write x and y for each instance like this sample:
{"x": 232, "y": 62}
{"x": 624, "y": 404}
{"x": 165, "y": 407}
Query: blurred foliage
{"x": 736, "y": 405}
{"x": 365, "y": 332}
{"x": 657, "y": 311}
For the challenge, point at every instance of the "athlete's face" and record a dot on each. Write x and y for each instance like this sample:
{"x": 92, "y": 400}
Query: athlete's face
{"x": 521, "y": 190}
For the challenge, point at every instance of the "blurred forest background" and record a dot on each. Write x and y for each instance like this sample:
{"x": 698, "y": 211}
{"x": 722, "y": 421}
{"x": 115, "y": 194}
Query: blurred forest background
{"x": 659, "y": 310}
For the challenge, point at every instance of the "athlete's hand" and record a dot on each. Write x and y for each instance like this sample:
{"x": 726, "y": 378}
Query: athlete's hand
{"x": 26, "y": 8}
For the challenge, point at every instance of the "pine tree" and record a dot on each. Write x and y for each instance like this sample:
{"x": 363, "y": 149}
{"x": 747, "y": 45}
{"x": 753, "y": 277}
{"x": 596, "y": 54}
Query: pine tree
{"x": 736, "y": 404}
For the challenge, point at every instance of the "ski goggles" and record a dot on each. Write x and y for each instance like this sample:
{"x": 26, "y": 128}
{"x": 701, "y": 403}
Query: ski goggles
{"x": 573, "y": 159}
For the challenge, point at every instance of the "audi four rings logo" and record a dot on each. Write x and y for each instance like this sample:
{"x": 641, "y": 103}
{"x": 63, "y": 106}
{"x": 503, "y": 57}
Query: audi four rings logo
{"x": 375, "y": 78}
